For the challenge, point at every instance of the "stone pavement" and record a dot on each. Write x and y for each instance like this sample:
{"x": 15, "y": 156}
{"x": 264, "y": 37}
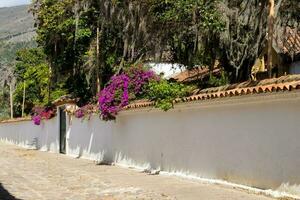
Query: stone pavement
{"x": 34, "y": 175}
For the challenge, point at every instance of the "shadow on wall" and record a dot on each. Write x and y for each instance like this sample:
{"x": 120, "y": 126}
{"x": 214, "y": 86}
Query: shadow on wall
{"x": 5, "y": 195}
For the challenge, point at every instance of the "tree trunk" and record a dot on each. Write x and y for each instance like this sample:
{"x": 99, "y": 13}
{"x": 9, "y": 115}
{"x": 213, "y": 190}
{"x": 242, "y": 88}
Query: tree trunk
{"x": 98, "y": 61}
{"x": 49, "y": 85}
{"x": 24, "y": 95}
{"x": 271, "y": 20}
{"x": 11, "y": 101}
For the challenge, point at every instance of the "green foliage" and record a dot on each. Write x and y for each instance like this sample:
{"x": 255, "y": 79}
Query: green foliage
{"x": 58, "y": 91}
{"x": 190, "y": 28}
{"x": 129, "y": 31}
{"x": 4, "y": 106}
{"x": 65, "y": 38}
{"x": 218, "y": 81}
{"x": 85, "y": 42}
{"x": 203, "y": 14}
{"x": 164, "y": 93}
{"x": 7, "y": 61}
{"x": 33, "y": 72}
{"x": 8, "y": 50}
{"x": 16, "y": 32}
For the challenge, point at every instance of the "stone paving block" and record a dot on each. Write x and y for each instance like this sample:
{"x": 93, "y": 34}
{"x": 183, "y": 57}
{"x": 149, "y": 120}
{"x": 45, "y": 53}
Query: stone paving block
{"x": 34, "y": 175}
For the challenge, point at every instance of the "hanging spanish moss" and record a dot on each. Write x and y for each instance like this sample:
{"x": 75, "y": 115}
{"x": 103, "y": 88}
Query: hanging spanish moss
{"x": 98, "y": 38}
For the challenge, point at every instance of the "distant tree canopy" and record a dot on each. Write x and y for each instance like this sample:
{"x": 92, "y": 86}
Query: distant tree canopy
{"x": 128, "y": 31}
{"x": 86, "y": 41}
{"x": 245, "y": 35}
{"x": 32, "y": 72}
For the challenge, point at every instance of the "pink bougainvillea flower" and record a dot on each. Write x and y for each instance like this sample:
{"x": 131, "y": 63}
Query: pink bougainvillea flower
{"x": 79, "y": 113}
{"x": 115, "y": 95}
{"x": 37, "y": 120}
{"x": 40, "y": 113}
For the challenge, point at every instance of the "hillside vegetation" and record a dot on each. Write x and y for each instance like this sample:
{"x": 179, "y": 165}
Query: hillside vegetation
{"x": 16, "y": 32}
{"x": 16, "y": 22}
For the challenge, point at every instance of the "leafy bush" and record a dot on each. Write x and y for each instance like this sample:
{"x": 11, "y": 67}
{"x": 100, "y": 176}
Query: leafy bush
{"x": 216, "y": 82}
{"x": 134, "y": 83}
{"x": 164, "y": 93}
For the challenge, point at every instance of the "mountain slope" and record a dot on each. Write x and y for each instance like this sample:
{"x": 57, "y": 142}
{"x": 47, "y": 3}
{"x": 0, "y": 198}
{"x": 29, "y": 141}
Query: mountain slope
{"x": 16, "y": 23}
{"x": 16, "y": 32}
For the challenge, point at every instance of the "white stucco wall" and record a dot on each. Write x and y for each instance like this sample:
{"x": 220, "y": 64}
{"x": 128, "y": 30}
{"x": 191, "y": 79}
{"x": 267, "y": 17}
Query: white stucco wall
{"x": 251, "y": 140}
{"x": 26, "y": 134}
{"x": 90, "y": 139}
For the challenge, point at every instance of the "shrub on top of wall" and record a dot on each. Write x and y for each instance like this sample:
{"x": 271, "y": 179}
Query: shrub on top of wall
{"x": 164, "y": 93}
{"x": 138, "y": 82}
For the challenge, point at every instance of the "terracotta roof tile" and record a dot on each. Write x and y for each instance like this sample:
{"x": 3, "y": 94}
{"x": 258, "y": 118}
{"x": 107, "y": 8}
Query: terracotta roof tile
{"x": 195, "y": 74}
{"x": 16, "y": 120}
{"x": 290, "y": 43}
{"x": 67, "y": 99}
{"x": 284, "y": 83}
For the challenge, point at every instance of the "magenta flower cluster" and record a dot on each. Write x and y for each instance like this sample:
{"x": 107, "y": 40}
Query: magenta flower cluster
{"x": 40, "y": 113}
{"x": 117, "y": 93}
{"x": 139, "y": 77}
{"x": 85, "y": 111}
{"x": 79, "y": 113}
{"x": 114, "y": 97}
{"x": 37, "y": 120}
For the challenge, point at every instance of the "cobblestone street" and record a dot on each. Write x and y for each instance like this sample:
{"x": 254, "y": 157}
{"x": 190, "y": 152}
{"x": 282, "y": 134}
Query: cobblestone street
{"x": 34, "y": 175}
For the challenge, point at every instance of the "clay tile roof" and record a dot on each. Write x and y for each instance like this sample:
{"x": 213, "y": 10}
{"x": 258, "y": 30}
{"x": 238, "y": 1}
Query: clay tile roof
{"x": 16, "y": 120}
{"x": 196, "y": 73}
{"x": 67, "y": 99}
{"x": 284, "y": 83}
{"x": 290, "y": 44}
{"x": 140, "y": 104}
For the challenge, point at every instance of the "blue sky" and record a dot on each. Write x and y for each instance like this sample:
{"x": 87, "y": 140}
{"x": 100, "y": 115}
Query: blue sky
{"x": 7, "y": 3}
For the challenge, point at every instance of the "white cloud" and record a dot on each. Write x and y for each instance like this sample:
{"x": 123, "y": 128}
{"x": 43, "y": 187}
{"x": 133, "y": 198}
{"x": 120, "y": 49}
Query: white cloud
{"x": 8, "y": 3}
